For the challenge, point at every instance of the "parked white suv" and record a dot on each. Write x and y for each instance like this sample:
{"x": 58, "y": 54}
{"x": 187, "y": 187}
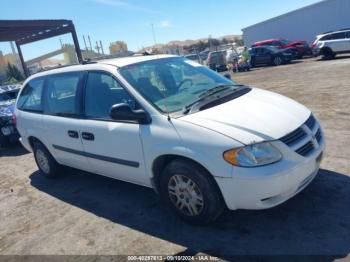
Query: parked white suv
{"x": 330, "y": 44}
{"x": 199, "y": 139}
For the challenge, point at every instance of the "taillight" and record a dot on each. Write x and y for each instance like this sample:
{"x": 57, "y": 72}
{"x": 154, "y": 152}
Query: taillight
{"x": 314, "y": 44}
{"x": 14, "y": 119}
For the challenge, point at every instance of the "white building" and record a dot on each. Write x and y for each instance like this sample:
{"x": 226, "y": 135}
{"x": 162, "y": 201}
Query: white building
{"x": 302, "y": 24}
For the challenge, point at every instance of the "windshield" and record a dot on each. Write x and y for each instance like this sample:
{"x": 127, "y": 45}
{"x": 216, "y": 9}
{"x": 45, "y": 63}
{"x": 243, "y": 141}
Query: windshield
{"x": 4, "y": 97}
{"x": 8, "y": 96}
{"x": 192, "y": 57}
{"x": 172, "y": 83}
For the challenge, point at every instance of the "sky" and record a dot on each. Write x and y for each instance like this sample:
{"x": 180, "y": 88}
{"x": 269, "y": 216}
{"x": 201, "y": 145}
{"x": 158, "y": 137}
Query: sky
{"x": 131, "y": 20}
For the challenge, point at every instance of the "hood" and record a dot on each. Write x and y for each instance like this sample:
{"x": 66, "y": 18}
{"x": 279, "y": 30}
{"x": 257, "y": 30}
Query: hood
{"x": 254, "y": 117}
{"x": 7, "y": 108}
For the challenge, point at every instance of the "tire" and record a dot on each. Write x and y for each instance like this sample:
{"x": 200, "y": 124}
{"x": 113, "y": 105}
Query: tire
{"x": 252, "y": 63}
{"x": 3, "y": 141}
{"x": 45, "y": 161}
{"x": 277, "y": 61}
{"x": 183, "y": 182}
{"x": 328, "y": 54}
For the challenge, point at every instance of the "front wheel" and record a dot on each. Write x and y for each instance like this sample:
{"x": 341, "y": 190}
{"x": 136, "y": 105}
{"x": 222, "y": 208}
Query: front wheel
{"x": 328, "y": 54}
{"x": 191, "y": 192}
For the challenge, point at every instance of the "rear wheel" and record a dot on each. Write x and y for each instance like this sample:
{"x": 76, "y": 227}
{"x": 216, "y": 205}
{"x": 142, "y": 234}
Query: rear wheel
{"x": 252, "y": 62}
{"x": 277, "y": 61}
{"x": 45, "y": 161}
{"x": 191, "y": 192}
{"x": 328, "y": 53}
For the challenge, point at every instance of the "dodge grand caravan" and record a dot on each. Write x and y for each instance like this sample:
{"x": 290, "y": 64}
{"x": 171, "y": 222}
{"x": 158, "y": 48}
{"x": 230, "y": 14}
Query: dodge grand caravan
{"x": 200, "y": 140}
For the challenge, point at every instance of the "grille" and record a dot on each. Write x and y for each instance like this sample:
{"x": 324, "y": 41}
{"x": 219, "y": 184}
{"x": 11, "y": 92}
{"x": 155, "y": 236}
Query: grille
{"x": 294, "y": 137}
{"x": 318, "y": 135}
{"x": 305, "y": 149}
{"x": 300, "y": 134}
{"x": 310, "y": 122}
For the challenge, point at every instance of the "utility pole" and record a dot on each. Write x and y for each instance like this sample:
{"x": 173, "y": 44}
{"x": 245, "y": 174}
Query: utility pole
{"x": 154, "y": 35}
{"x": 97, "y": 48}
{"x": 85, "y": 43}
{"x": 101, "y": 48}
{"x": 209, "y": 40}
{"x": 90, "y": 43}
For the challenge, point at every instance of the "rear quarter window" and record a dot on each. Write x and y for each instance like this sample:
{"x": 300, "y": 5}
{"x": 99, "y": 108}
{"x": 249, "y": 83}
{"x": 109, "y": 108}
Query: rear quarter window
{"x": 326, "y": 37}
{"x": 30, "y": 98}
{"x": 337, "y": 36}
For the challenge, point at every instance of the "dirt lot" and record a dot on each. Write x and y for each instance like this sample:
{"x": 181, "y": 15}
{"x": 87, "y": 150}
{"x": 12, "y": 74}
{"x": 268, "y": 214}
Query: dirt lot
{"x": 82, "y": 213}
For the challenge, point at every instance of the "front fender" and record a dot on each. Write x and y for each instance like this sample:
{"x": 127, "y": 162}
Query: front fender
{"x": 180, "y": 138}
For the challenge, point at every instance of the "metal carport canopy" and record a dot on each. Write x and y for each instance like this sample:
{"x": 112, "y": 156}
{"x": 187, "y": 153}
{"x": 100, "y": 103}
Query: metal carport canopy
{"x": 28, "y": 31}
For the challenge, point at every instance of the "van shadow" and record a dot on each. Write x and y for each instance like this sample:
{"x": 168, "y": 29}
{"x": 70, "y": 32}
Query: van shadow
{"x": 13, "y": 150}
{"x": 315, "y": 222}
{"x": 338, "y": 57}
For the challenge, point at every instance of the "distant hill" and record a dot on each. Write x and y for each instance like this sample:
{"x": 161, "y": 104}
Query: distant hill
{"x": 187, "y": 42}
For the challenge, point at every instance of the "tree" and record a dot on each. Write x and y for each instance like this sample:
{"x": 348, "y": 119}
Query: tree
{"x": 224, "y": 41}
{"x": 215, "y": 42}
{"x": 13, "y": 73}
{"x": 239, "y": 41}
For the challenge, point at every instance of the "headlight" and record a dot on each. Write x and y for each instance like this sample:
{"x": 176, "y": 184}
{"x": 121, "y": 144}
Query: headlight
{"x": 253, "y": 155}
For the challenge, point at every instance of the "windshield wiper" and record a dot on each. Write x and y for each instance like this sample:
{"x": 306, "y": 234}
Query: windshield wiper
{"x": 217, "y": 89}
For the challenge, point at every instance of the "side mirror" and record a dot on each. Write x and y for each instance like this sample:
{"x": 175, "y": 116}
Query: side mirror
{"x": 228, "y": 76}
{"x": 123, "y": 112}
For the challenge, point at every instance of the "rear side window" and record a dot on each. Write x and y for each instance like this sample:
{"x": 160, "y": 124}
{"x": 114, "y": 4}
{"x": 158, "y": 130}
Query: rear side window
{"x": 30, "y": 98}
{"x": 334, "y": 36}
{"x": 62, "y": 94}
{"x": 338, "y": 36}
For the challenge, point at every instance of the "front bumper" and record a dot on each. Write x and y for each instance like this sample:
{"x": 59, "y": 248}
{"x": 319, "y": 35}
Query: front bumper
{"x": 9, "y": 134}
{"x": 315, "y": 52}
{"x": 268, "y": 186}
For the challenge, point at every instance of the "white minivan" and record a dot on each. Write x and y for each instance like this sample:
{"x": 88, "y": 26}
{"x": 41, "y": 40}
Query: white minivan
{"x": 201, "y": 141}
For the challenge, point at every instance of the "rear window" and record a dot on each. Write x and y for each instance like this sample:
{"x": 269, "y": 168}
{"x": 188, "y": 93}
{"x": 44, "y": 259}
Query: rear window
{"x": 30, "y": 98}
{"x": 62, "y": 94}
{"x": 326, "y": 37}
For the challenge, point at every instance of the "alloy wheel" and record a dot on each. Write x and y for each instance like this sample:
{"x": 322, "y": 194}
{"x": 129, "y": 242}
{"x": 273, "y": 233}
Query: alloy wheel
{"x": 277, "y": 60}
{"x": 185, "y": 194}
{"x": 43, "y": 161}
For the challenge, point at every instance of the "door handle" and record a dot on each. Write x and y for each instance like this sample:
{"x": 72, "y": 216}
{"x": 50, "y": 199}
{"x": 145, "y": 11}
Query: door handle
{"x": 88, "y": 136}
{"x": 73, "y": 133}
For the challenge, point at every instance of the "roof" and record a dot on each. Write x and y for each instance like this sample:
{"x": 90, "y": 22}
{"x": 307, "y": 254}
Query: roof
{"x": 26, "y": 31}
{"x": 268, "y": 40}
{"x": 336, "y": 31}
{"x": 124, "y": 61}
{"x": 118, "y": 62}
{"x": 287, "y": 14}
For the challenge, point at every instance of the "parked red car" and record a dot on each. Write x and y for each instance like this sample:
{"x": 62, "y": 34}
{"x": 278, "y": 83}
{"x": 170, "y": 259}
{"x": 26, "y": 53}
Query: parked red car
{"x": 300, "y": 47}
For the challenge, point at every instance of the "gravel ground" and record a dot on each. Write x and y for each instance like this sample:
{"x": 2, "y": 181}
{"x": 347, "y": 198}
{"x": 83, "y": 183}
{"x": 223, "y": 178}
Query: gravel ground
{"x": 81, "y": 213}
